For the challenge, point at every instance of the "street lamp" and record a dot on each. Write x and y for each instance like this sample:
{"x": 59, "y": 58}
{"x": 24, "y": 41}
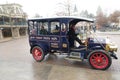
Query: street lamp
{"x": 1, "y": 35}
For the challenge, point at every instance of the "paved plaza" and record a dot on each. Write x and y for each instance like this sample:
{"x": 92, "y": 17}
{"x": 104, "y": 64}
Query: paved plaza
{"x": 16, "y": 63}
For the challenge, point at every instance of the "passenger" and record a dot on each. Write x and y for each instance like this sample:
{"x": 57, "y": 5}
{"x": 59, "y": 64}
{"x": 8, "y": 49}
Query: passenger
{"x": 33, "y": 31}
{"x": 56, "y": 30}
{"x": 43, "y": 30}
{"x": 63, "y": 30}
{"x": 73, "y": 36}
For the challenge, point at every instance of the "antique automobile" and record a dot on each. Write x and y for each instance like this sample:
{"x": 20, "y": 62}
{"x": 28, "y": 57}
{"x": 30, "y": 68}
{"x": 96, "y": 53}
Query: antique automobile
{"x": 51, "y": 35}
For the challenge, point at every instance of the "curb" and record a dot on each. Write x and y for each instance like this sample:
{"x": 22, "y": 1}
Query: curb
{"x": 109, "y": 33}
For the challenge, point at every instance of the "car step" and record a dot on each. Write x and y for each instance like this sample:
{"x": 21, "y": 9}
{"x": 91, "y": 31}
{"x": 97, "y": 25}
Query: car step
{"x": 73, "y": 58}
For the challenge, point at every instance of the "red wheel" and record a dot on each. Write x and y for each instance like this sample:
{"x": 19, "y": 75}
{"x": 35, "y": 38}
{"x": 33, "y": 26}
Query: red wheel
{"x": 38, "y": 53}
{"x": 100, "y": 60}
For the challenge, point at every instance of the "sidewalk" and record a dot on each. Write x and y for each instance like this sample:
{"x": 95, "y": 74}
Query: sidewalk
{"x": 10, "y": 38}
{"x": 5, "y": 39}
{"x": 110, "y": 33}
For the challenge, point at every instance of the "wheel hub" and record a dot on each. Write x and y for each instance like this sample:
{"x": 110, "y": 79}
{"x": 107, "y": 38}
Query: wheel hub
{"x": 37, "y": 53}
{"x": 98, "y": 60}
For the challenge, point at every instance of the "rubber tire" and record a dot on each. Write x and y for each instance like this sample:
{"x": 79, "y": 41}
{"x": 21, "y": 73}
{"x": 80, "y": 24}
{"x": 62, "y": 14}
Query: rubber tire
{"x": 107, "y": 55}
{"x": 42, "y": 52}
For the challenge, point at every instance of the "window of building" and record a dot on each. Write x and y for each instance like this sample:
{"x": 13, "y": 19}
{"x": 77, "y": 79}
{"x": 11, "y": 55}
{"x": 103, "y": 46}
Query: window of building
{"x": 0, "y": 11}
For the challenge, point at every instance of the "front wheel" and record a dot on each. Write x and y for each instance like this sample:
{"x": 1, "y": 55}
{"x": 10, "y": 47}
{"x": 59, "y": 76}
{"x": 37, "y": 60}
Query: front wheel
{"x": 38, "y": 53}
{"x": 99, "y": 60}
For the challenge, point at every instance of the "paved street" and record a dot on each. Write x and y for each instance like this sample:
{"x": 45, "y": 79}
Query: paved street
{"x": 16, "y": 63}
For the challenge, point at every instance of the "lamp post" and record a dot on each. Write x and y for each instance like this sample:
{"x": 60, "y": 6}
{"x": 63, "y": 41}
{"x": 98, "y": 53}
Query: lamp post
{"x": 1, "y": 35}
{"x": 10, "y": 21}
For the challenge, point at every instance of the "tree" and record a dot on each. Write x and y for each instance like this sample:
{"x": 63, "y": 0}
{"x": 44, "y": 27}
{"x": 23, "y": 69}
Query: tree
{"x": 37, "y": 16}
{"x": 67, "y": 8}
{"x": 101, "y": 18}
{"x": 86, "y": 14}
{"x": 113, "y": 18}
{"x": 99, "y": 10}
{"x": 91, "y": 15}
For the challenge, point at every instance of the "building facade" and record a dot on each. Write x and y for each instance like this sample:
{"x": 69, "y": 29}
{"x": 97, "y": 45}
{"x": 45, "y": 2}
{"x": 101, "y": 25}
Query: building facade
{"x": 12, "y": 21}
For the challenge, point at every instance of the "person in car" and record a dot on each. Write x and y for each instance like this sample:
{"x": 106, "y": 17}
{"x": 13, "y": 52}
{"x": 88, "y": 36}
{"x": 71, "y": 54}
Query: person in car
{"x": 43, "y": 30}
{"x": 73, "y": 36}
{"x": 56, "y": 31}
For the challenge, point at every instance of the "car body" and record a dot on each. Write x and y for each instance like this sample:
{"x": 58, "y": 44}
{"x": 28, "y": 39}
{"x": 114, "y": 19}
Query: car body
{"x": 98, "y": 51}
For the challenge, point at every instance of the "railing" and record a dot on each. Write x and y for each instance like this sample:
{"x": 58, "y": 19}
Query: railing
{"x": 1, "y": 23}
{"x": 20, "y": 23}
{"x": 13, "y": 24}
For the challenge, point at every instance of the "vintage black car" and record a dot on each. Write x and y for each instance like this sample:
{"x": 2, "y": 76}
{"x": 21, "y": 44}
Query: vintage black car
{"x": 51, "y": 35}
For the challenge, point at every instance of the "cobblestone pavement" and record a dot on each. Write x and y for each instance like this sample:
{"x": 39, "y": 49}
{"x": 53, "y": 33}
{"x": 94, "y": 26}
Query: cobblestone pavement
{"x": 16, "y": 63}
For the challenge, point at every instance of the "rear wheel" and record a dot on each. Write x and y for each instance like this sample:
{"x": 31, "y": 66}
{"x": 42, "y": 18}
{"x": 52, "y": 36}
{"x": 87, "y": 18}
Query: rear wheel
{"x": 99, "y": 60}
{"x": 38, "y": 54}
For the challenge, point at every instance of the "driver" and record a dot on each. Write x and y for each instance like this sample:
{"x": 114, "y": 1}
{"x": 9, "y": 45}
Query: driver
{"x": 73, "y": 36}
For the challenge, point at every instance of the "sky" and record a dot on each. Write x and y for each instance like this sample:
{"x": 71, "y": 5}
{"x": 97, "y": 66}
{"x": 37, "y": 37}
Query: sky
{"x": 47, "y": 8}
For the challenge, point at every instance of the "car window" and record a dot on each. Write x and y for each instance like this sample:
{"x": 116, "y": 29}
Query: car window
{"x": 32, "y": 27}
{"x": 43, "y": 28}
{"x": 55, "y": 28}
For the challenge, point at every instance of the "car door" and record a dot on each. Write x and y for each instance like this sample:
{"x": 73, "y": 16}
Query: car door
{"x": 55, "y": 35}
{"x": 64, "y": 38}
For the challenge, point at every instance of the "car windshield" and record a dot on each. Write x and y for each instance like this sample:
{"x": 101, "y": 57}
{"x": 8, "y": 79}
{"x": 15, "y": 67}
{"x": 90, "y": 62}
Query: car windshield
{"x": 83, "y": 29}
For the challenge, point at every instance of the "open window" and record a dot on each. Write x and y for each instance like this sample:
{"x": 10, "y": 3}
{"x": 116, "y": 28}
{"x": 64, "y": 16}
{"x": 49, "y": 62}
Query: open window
{"x": 43, "y": 28}
{"x": 32, "y": 28}
{"x": 63, "y": 29}
{"x": 55, "y": 27}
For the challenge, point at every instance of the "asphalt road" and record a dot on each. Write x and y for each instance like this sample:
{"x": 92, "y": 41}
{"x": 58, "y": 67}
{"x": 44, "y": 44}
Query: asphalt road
{"x": 16, "y": 63}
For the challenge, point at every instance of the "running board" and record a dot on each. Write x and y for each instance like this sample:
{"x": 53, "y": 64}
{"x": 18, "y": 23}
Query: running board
{"x": 73, "y": 58}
